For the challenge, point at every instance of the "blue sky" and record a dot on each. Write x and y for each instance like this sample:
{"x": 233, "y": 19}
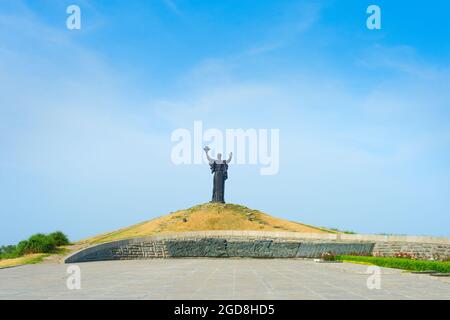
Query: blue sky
{"x": 86, "y": 116}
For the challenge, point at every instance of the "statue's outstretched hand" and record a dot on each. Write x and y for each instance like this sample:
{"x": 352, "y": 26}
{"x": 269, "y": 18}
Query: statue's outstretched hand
{"x": 229, "y": 158}
{"x": 210, "y": 160}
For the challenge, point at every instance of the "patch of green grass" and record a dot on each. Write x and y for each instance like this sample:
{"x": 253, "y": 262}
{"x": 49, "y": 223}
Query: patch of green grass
{"x": 399, "y": 263}
{"x": 38, "y": 259}
{"x": 12, "y": 255}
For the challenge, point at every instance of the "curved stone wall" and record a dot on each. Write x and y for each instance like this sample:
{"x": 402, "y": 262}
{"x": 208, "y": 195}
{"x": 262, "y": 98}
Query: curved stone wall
{"x": 259, "y": 244}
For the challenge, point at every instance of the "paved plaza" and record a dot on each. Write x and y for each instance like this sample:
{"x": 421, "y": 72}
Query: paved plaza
{"x": 217, "y": 279}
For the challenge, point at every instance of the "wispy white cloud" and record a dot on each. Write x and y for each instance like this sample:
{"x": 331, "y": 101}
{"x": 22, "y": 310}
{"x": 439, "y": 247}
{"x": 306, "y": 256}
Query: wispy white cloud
{"x": 172, "y": 7}
{"x": 295, "y": 21}
{"x": 67, "y": 127}
{"x": 66, "y": 116}
{"x": 401, "y": 58}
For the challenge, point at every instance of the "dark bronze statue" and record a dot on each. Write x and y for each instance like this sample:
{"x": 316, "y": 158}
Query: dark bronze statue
{"x": 219, "y": 168}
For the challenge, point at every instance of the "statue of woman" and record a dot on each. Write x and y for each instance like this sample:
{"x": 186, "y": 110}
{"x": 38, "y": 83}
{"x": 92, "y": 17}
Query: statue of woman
{"x": 219, "y": 168}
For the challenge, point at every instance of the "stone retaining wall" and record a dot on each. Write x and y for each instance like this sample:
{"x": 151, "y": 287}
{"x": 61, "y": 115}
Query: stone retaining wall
{"x": 259, "y": 244}
{"x": 418, "y": 250}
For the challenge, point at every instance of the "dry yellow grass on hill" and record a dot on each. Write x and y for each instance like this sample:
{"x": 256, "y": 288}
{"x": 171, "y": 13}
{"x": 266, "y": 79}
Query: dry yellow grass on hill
{"x": 209, "y": 216}
{"x": 28, "y": 259}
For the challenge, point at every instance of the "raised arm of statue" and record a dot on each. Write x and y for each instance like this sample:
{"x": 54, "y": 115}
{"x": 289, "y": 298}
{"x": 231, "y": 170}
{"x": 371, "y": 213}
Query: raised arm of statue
{"x": 211, "y": 160}
{"x": 230, "y": 157}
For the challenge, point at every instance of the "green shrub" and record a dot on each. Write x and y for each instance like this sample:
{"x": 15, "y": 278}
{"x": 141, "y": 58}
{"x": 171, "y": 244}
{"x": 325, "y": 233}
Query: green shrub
{"x": 38, "y": 243}
{"x": 59, "y": 238}
{"x": 21, "y": 247}
{"x": 8, "y": 252}
{"x": 7, "y": 249}
{"x": 328, "y": 256}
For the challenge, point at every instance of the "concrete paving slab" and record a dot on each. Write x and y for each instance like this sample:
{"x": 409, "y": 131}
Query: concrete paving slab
{"x": 217, "y": 279}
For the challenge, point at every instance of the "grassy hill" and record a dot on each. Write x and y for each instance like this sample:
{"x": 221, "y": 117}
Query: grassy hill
{"x": 208, "y": 216}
